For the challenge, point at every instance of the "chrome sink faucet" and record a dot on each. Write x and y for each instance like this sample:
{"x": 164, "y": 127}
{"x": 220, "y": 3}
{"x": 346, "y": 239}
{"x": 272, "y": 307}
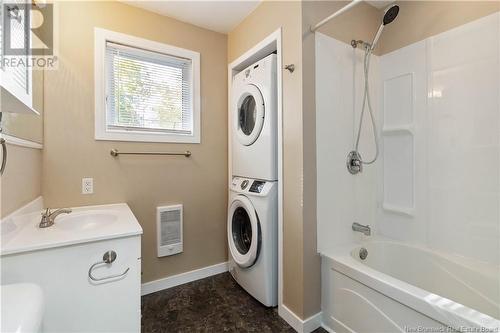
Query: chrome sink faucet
{"x": 365, "y": 229}
{"x": 48, "y": 217}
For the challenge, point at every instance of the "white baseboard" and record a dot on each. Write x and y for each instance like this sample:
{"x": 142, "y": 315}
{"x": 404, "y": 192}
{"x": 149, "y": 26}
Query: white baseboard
{"x": 327, "y": 328}
{"x": 301, "y": 326}
{"x": 176, "y": 280}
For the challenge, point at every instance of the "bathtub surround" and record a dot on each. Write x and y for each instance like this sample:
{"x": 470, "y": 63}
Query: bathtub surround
{"x": 447, "y": 94}
{"x": 71, "y": 153}
{"x": 342, "y": 197}
{"x": 437, "y": 62}
{"x": 437, "y": 185}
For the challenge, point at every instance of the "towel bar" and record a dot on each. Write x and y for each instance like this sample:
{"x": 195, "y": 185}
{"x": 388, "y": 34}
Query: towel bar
{"x": 115, "y": 153}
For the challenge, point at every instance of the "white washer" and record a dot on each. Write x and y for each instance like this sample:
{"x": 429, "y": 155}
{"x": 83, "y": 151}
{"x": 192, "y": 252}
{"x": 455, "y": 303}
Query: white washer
{"x": 254, "y": 121}
{"x": 252, "y": 232}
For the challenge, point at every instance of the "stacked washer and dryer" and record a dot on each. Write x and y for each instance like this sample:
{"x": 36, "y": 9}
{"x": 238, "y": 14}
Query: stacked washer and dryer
{"x": 252, "y": 223}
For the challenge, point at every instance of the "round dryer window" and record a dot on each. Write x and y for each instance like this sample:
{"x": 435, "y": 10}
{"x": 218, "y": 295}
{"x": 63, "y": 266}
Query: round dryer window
{"x": 249, "y": 119}
{"x": 243, "y": 232}
{"x": 247, "y": 114}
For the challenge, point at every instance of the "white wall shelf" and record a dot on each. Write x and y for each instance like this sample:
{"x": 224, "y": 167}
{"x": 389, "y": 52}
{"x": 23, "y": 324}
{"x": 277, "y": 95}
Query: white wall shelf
{"x": 398, "y": 130}
{"x": 398, "y": 210}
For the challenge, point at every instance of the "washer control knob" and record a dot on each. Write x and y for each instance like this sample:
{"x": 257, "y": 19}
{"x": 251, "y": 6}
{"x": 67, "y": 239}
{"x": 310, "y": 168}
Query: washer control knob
{"x": 244, "y": 184}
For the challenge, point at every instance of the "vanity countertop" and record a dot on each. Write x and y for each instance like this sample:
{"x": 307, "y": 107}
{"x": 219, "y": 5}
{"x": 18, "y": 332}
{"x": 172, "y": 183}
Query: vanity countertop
{"x": 20, "y": 233}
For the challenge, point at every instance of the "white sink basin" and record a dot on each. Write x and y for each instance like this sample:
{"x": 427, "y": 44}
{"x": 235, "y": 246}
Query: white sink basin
{"x": 22, "y": 308}
{"x": 21, "y": 233}
{"x": 83, "y": 221}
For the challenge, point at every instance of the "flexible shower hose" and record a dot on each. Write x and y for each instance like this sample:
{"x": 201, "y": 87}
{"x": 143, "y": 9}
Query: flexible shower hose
{"x": 367, "y": 102}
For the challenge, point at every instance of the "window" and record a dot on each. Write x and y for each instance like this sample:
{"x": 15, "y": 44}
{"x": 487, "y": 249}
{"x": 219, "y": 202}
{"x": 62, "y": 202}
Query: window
{"x": 145, "y": 91}
{"x": 15, "y": 76}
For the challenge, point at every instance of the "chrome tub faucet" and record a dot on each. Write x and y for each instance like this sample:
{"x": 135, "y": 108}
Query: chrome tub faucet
{"x": 48, "y": 217}
{"x": 365, "y": 229}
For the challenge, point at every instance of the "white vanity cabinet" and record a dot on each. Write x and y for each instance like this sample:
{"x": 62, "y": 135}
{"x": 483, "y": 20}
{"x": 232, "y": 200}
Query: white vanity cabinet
{"x": 74, "y": 302}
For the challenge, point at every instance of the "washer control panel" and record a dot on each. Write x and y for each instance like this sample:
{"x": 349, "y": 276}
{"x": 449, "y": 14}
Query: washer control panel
{"x": 257, "y": 186}
{"x": 251, "y": 186}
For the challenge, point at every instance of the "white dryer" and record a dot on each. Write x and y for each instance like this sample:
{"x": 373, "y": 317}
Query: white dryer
{"x": 254, "y": 121}
{"x": 252, "y": 232}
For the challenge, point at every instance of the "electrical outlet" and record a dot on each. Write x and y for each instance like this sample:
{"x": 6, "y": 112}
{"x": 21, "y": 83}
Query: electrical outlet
{"x": 87, "y": 185}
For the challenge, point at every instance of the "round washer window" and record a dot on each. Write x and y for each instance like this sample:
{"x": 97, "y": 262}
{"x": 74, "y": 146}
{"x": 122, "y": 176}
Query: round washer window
{"x": 242, "y": 230}
{"x": 247, "y": 115}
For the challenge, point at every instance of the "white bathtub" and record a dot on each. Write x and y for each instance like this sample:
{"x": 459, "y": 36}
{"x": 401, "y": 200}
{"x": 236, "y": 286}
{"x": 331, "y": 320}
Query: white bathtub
{"x": 403, "y": 288}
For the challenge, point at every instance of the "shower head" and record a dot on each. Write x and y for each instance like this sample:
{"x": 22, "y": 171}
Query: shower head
{"x": 390, "y": 14}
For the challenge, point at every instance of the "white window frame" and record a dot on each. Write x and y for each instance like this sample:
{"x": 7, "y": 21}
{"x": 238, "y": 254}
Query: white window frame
{"x": 101, "y": 37}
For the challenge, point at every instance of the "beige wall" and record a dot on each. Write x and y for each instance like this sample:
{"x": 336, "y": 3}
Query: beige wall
{"x": 360, "y": 22}
{"x": 418, "y": 20}
{"x": 200, "y": 182}
{"x": 21, "y": 182}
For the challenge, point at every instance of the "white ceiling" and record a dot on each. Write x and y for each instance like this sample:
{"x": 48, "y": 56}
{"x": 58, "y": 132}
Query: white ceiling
{"x": 220, "y": 16}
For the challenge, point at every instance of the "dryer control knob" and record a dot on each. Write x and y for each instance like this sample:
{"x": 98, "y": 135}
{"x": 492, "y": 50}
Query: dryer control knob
{"x": 244, "y": 184}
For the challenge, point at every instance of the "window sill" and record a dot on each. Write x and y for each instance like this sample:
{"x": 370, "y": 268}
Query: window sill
{"x": 146, "y": 137}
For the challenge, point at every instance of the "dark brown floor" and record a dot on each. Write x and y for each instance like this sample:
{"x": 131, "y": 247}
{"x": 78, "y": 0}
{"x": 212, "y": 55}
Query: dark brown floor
{"x": 214, "y": 304}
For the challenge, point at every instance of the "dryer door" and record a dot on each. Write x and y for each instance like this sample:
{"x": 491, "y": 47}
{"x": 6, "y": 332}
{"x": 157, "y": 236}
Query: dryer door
{"x": 243, "y": 232}
{"x": 250, "y": 113}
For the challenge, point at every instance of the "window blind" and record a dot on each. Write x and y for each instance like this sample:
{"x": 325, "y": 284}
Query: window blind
{"x": 19, "y": 39}
{"x": 148, "y": 91}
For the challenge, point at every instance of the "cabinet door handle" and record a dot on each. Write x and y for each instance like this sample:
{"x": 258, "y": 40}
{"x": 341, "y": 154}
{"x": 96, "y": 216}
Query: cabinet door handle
{"x": 107, "y": 258}
{"x": 4, "y": 155}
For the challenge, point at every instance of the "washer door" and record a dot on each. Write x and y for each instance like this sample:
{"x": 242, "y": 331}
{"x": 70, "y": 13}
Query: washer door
{"x": 250, "y": 113}
{"x": 243, "y": 232}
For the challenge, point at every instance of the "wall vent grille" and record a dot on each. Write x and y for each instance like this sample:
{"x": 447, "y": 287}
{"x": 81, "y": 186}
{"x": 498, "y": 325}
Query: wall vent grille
{"x": 169, "y": 230}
